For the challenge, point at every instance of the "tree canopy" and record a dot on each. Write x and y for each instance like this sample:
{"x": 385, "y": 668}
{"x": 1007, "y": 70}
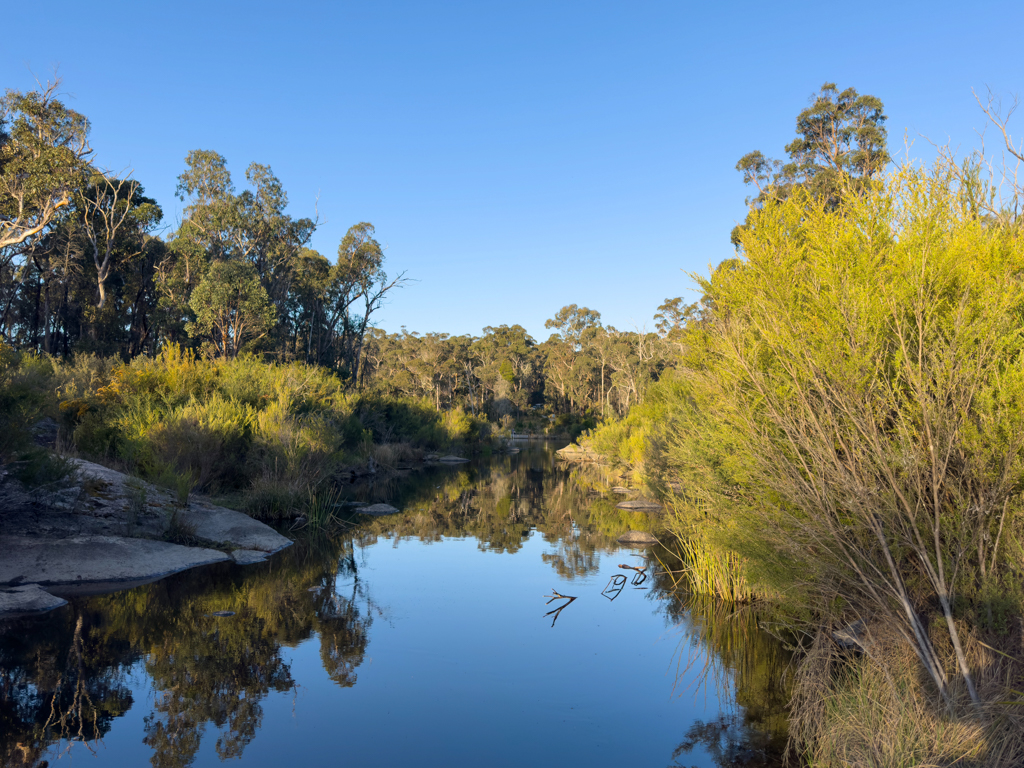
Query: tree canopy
{"x": 839, "y": 148}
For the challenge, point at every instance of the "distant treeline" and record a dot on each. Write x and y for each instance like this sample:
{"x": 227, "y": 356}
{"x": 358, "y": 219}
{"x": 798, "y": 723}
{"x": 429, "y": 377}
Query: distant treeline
{"x": 583, "y": 368}
{"x": 83, "y": 269}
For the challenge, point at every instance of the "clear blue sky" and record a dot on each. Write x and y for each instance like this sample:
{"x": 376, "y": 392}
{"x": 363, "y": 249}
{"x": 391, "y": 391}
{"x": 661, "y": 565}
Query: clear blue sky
{"x": 514, "y": 157}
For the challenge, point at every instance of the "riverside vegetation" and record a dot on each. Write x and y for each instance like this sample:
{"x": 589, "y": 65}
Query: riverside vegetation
{"x": 230, "y": 358}
{"x": 834, "y": 425}
{"x": 842, "y": 440}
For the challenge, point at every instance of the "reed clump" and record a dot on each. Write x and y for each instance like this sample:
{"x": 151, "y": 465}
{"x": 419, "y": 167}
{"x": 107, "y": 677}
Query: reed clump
{"x": 711, "y": 570}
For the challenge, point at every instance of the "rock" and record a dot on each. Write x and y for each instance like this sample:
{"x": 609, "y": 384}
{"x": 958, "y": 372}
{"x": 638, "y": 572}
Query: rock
{"x": 27, "y": 599}
{"x": 620, "y": 489}
{"x": 248, "y": 556}
{"x": 852, "y": 636}
{"x": 235, "y": 529}
{"x": 642, "y": 504}
{"x": 637, "y": 537}
{"x": 111, "y": 503}
{"x": 452, "y": 460}
{"x": 573, "y": 452}
{"x": 96, "y": 560}
{"x": 378, "y": 509}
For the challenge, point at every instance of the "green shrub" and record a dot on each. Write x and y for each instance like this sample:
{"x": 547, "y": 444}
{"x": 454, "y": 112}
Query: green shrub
{"x": 39, "y": 467}
{"x": 24, "y": 398}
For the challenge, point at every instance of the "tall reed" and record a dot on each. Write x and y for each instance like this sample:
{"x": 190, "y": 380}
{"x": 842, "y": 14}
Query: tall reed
{"x": 322, "y": 507}
{"x": 709, "y": 570}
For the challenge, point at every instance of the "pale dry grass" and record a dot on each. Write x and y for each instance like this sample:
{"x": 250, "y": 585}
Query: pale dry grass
{"x": 880, "y": 710}
{"x": 391, "y": 455}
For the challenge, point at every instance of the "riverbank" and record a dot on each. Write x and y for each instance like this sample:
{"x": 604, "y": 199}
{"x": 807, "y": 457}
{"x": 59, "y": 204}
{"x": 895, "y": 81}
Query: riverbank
{"x": 843, "y": 429}
{"x": 462, "y": 578}
{"x": 100, "y": 529}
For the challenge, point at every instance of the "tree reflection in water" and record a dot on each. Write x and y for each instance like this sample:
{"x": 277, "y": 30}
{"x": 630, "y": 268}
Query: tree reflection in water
{"x": 64, "y": 676}
{"x": 57, "y": 687}
{"x": 206, "y": 671}
{"x": 743, "y": 662}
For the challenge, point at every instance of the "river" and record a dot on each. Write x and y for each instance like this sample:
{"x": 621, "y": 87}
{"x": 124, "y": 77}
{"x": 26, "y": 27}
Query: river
{"x": 432, "y": 637}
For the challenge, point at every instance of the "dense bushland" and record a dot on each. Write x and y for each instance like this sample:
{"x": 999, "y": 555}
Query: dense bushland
{"x": 844, "y": 431}
{"x": 266, "y": 433}
{"x": 83, "y": 270}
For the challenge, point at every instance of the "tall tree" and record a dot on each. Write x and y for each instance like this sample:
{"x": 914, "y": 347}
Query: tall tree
{"x": 44, "y": 152}
{"x": 232, "y": 308}
{"x": 249, "y": 226}
{"x": 358, "y": 287}
{"x": 840, "y": 145}
{"x": 116, "y": 218}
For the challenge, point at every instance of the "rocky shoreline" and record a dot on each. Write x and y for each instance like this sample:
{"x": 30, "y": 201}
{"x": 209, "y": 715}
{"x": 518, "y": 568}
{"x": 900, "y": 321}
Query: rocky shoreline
{"x": 105, "y": 531}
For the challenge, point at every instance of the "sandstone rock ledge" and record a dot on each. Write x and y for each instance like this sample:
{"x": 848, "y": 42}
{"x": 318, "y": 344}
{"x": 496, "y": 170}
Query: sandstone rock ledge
{"x": 98, "y": 534}
{"x": 27, "y": 599}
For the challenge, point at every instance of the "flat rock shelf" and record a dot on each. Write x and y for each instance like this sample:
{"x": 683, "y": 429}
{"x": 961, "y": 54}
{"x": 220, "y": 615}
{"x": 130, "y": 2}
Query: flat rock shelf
{"x": 104, "y": 534}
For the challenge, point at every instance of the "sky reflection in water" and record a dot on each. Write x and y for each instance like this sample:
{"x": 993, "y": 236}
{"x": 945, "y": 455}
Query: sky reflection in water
{"x": 419, "y": 639}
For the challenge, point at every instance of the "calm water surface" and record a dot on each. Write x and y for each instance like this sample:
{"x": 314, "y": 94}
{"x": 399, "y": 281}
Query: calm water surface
{"x": 420, "y": 639}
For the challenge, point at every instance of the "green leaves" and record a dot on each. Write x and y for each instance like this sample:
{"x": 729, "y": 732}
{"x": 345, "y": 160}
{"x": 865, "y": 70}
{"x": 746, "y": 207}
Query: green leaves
{"x": 231, "y": 307}
{"x": 840, "y": 147}
{"x": 853, "y": 400}
{"x": 44, "y": 149}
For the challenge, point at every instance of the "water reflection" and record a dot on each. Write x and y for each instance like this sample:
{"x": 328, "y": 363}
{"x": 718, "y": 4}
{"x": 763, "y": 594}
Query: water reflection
{"x": 58, "y": 684}
{"x": 210, "y": 642}
{"x": 615, "y": 586}
{"x": 211, "y": 646}
{"x": 740, "y": 657}
{"x": 556, "y": 612}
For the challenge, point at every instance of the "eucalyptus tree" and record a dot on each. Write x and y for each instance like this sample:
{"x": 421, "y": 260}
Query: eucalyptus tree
{"x": 44, "y": 152}
{"x": 510, "y": 364}
{"x": 357, "y": 287}
{"x": 44, "y": 159}
{"x": 839, "y": 148}
{"x": 231, "y": 308}
{"x": 116, "y": 218}
{"x": 569, "y": 368}
{"x": 220, "y": 224}
{"x": 305, "y": 304}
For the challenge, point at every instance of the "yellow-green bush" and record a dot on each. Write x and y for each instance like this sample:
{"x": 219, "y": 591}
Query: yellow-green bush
{"x": 224, "y": 422}
{"x": 270, "y": 431}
